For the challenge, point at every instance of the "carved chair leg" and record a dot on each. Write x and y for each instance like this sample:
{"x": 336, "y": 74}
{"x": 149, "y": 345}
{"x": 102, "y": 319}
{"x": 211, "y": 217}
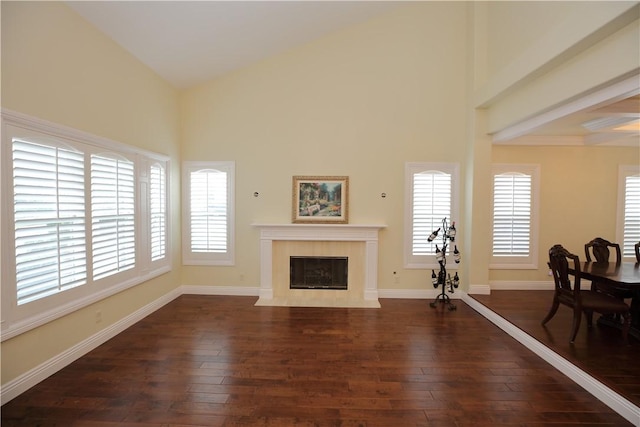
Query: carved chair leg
{"x": 626, "y": 324}
{"x": 577, "y": 317}
{"x": 552, "y": 311}
{"x": 589, "y": 316}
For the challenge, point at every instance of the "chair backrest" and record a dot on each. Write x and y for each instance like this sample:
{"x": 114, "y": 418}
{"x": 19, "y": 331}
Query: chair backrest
{"x": 637, "y": 246}
{"x": 600, "y": 249}
{"x": 559, "y": 262}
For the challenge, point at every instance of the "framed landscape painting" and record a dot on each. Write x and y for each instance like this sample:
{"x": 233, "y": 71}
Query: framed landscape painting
{"x": 320, "y": 199}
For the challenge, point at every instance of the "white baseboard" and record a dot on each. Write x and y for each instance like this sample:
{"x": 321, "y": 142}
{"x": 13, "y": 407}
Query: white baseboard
{"x": 27, "y": 380}
{"x": 414, "y": 293}
{"x": 255, "y": 291}
{"x": 603, "y": 393}
{"x": 479, "y": 290}
{"x": 219, "y": 290}
{"x": 532, "y": 285}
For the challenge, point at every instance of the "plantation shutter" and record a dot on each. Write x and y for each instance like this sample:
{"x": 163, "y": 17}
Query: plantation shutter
{"x": 49, "y": 210}
{"x": 511, "y": 214}
{"x": 431, "y": 204}
{"x": 631, "y": 228}
{"x": 158, "y": 211}
{"x": 208, "y": 207}
{"x": 112, "y": 212}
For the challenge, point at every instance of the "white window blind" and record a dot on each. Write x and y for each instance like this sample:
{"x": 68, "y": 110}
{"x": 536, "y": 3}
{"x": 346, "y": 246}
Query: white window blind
{"x": 49, "y": 219}
{"x": 512, "y": 215}
{"x": 112, "y": 215}
{"x": 515, "y": 205}
{"x": 208, "y": 202}
{"x": 631, "y": 224}
{"x": 157, "y": 211}
{"x": 431, "y": 195}
{"x": 208, "y": 213}
{"x": 431, "y": 204}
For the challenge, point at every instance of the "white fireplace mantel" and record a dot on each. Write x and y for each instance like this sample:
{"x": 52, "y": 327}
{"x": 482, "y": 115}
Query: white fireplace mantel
{"x": 319, "y": 232}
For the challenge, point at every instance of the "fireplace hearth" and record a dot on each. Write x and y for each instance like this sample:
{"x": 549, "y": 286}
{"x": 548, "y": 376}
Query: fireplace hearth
{"x": 314, "y": 272}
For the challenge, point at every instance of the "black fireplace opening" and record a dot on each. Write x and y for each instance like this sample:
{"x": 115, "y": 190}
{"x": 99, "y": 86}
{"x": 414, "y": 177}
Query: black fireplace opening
{"x": 313, "y": 272}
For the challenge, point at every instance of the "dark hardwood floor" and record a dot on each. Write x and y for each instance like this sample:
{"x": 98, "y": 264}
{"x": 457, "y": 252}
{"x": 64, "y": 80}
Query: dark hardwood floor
{"x": 221, "y": 361}
{"x": 598, "y": 351}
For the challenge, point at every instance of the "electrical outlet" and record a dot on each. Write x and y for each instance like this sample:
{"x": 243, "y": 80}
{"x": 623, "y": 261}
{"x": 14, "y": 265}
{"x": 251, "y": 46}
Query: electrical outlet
{"x": 99, "y": 316}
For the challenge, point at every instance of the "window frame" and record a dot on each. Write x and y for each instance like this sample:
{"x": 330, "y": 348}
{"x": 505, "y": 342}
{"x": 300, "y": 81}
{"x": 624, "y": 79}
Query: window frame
{"x": 119, "y": 251}
{"x": 624, "y": 171}
{"x": 411, "y": 260}
{"x": 17, "y": 319}
{"x": 47, "y": 236}
{"x": 531, "y": 261}
{"x": 190, "y": 257}
{"x": 147, "y": 208}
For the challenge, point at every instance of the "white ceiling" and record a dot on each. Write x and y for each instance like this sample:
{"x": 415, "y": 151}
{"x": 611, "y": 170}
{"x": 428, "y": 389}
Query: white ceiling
{"x": 191, "y": 42}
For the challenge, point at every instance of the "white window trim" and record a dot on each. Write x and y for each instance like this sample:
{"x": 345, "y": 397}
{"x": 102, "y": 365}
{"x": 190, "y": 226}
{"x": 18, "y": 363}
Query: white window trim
{"x": 623, "y": 172}
{"x": 145, "y": 208}
{"x": 218, "y": 259}
{"x": 520, "y": 263}
{"x": 427, "y": 261}
{"x": 19, "y": 319}
{"x": 144, "y": 201}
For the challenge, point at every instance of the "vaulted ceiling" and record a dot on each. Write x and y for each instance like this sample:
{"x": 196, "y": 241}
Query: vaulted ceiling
{"x": 190, "y": 42}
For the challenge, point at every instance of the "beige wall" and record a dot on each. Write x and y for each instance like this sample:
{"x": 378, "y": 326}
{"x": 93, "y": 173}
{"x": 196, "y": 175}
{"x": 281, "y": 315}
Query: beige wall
{"x": 360, "y": 102}
{"x": 58, "y": 68}
{"x": 533, "y": 24}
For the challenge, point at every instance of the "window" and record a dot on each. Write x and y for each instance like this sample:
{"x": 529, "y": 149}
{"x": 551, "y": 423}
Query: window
{"x": 72, "y": 236}
{"x": 628, "y": 226}
{"x": 158, "y": 211}
{"x": 49, "y": 219}
{"x": 431, "y": 194}
{"x": 208, "y": 213}
{"x": 515, "y": 204}
{"x": 112, "y": 215}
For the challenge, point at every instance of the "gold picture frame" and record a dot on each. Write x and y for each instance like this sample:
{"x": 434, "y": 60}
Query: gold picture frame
{"x": 320, "y": 199}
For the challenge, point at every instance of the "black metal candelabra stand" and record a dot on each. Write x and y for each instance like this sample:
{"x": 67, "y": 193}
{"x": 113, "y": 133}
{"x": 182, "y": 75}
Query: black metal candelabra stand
{"x": 443, "y": 278}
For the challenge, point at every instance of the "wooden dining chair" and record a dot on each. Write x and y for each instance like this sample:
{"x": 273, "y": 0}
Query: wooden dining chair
{"x": 601, "y": 250}
{"x": 637, "y": 246}
{"x": 581, "y": 301}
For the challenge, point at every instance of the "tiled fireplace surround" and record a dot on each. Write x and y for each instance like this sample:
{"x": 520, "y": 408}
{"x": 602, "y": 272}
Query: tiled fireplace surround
{"x": 357, "y": 242}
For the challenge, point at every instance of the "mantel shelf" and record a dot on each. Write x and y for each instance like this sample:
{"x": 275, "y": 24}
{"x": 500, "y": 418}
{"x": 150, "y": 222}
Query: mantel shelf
{"x": 311, "y": 232}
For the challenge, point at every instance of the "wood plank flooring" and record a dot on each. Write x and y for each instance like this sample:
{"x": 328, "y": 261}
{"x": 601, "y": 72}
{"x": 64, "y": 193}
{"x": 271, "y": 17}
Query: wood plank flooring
{"x": 598, "y": 351}
{"x": 221, "y": 361}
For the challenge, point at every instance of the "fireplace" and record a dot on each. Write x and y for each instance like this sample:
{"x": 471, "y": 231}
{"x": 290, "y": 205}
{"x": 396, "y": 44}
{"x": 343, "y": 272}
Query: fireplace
{"x": 318, "y": 272}
{"x": 357, "y": 243}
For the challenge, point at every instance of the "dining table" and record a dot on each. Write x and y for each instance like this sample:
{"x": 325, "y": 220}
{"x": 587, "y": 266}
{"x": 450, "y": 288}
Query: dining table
{"x": 624, "y": 275}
